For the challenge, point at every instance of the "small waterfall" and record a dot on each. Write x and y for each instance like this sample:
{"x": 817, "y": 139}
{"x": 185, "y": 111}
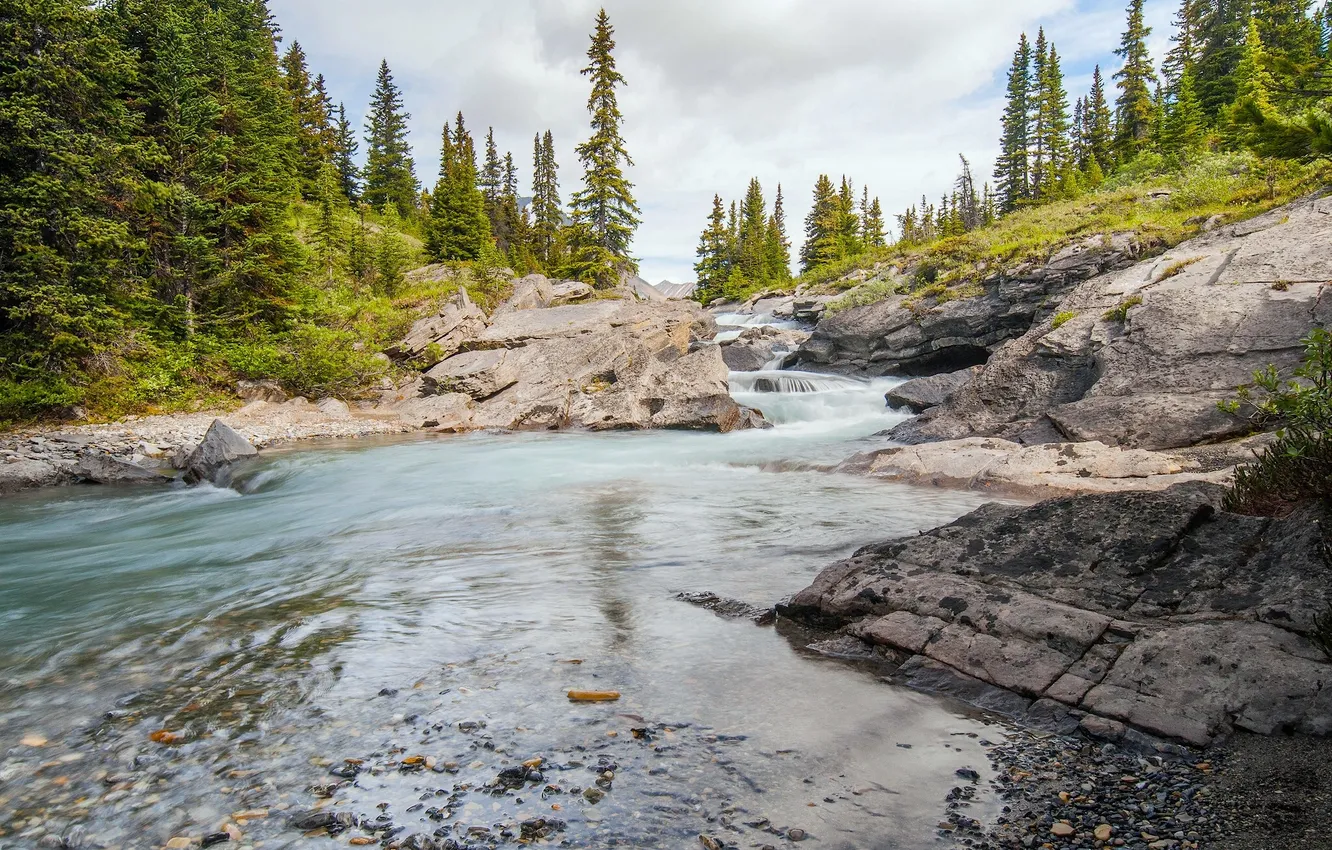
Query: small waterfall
{"x": 816, "y": 403}
{"x": 780, "y": 381}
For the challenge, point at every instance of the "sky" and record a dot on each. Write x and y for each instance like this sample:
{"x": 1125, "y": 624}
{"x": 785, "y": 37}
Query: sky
{"x": 886, "y": 92}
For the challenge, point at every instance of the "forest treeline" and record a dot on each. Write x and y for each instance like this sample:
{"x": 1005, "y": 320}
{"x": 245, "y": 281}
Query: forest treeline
{"x": 1240, "y": 75}
{"x": 179, "y": 194}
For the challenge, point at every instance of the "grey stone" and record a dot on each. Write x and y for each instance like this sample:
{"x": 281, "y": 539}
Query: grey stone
{"x": 25, "y": 474}
{"x": 270, "y": 391}
{"x": 221, "y": 447}
{"x": 333, "y": 408}
{"x": 102, "y": 468}
{"x": 446, "y": 412}
{"x": 920, "y": 394}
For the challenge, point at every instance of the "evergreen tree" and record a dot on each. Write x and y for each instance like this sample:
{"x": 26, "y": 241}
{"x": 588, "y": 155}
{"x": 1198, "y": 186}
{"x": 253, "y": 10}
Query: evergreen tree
{"x": 546, "y": 220}
{"x": 604, "y": 211}
{"x": 1221, "y": 43}
{"x": 1077, "y": 134}
{"x": 1185, "y": 131}
{"x": 713, "y": 266}
{"x": 390, "y": 173}
{"x": 848, "y": 223}
{"x": 458, "y": 227}
{"x": 328, "y": 237}
{"x": 752, "y": 242}
{"x": 310, "y": 109}
{"x": 1038, "y": 116}
{"x": 872, "y": 234}
{"x": 1011, "y": 171}
{"x": 1098, "y": 123}
{"x": 968, "y": 204}
{"x": 777, "y": 246}
{"x": 491, "y": 183}
{"x": 344, "y": 157}
{"x": 1052, "y": 104}
{"x": 1253, "y": 91}
{"x": 1187, "y": 40}
{"x": 391, "y": 254}
{"x": 823, "y": 229}
{"x": 1134, "y": 108}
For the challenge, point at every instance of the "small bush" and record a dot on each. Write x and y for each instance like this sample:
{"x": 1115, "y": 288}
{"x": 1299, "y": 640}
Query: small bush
{"x": 1177, "y": 267}
{"x": 1062, "y": 318}
{"x": 868, "y": 293}
{"x": 1119, "y": 313}
{"x": 1297, "y": 466}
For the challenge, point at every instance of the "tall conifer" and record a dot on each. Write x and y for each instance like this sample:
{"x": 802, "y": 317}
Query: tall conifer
{"x": 390, "y": 173}
{"x": 1011, "y": 172}
{"x": 1134, "y": 108}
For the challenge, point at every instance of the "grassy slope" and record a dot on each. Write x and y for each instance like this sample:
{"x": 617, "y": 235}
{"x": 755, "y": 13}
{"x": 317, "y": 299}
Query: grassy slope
{"x": 1232, "y": 186}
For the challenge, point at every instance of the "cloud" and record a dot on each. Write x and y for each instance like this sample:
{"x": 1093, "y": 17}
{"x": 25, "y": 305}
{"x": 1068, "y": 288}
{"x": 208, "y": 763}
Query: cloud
{"x": 885, "y": 91}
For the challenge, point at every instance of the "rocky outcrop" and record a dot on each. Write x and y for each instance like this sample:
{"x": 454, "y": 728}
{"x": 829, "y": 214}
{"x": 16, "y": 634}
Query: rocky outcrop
{"x": 1146, "y": 610}
{"x": 269, "y": 391}
{"x": 99, "y": 468}
{"x": 920, "y": 394}
{"x": 1141, "y": 357}
{"x": 606, "y": 364}
{"x": 220, "y": 448}
{"x": 1032, "y": 472}
{"x": 437, "y": 337}
{"x": 907, "y": 335}
{"x": 758, "y": 346}
{"x": 17, "y": 473}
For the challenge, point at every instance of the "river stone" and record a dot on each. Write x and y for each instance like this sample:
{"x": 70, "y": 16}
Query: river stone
{"x": 221, "y": 447}
{"x": 333, "y": 408}
{"x": 269, "y": 391}
{"x": 1153, "y": 610}
{"x": 1245, "y": 299}
{"x": 26, "y": 474}
{"x": 920, "y": 394}
{"x": 102, "y": 468}
{"x": 447, "y": 412}
{"x": 479, "y": 374}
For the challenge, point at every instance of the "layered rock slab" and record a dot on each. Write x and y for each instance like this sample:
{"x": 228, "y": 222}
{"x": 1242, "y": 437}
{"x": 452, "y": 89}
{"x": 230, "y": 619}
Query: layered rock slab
{"x": 1153, "y": 610}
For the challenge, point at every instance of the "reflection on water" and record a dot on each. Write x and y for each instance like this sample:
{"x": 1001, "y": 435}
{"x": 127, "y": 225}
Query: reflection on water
{"x": 364, "y": 601}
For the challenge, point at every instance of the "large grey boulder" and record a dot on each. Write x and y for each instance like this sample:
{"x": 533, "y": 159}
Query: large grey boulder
{"x": 1196, "y": 323}
{"x": 101, "y": 468}
{"x": 437, "y": 337}
{"x": 1150, "y": 609}
{"x": 221, "y": 447}
{"x": 447, "y": 412}
{"x": 920, "y": 394}
{"x": 266, "y": 390}
{"x": 28, "y": 473}
{"x": 906, "y": 335}
{"x": 756, "y": 347}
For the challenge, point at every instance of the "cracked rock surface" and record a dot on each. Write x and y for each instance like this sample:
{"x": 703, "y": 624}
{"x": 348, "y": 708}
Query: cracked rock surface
{"x": 1130, "y": 611}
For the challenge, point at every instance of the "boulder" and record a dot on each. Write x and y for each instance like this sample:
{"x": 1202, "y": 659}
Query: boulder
{"x": 333, "y": 408}
{"x": 920, "y": 394}
{"x": 437, "y": 337}
{"x": 1154, "y": 610}
{"x": 1141, "y": 356}
{"x": 1033, "y": 472}
{"x": 269, "y": 391}
{"x": 447, "y": 412}
{"x": 907, "y": 335}
{"x": 26, "y": 474}
{"x": 479, "y": 374}
{"x": 102, "y": 468}
{"x": 756, "y": 347}
{"x": 221, "y": 447}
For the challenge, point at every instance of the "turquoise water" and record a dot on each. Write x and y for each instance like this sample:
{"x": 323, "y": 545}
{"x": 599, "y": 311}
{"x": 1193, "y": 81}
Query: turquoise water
{"x": 361, "y": 600}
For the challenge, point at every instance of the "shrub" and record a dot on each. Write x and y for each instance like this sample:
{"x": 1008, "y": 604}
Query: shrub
{"x": 868, "y": 293}
{"x": 1119, "y": 313}
{"x": 1297, "y": 466}
{"x": 1062, "y": 318}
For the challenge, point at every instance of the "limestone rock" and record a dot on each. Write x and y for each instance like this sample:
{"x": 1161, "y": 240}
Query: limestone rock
{"x": 920, "y": 394}
{"x": 26, "y": 474}
{"x": 1198, "y": 322}
{"x": 269, "y": 391}
{"x": 447, "y": 412}
{"x": 757, "y": 347}
{"x": 220, "y": 448}
{"x": 333, "y": 408}
{"x": 102, "y": 468}
{"x": 1147, "y": 610}
{"x": 437, "y": 337}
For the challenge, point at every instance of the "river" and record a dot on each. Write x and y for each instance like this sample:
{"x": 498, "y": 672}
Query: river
{"x": 421, "y": 606}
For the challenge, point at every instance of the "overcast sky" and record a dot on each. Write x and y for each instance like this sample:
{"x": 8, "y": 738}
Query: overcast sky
{"x": 888, "y": 92}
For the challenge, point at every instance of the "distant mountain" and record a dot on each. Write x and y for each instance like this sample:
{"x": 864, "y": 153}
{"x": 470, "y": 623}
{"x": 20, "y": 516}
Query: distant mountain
{"x": 676, "y": 290}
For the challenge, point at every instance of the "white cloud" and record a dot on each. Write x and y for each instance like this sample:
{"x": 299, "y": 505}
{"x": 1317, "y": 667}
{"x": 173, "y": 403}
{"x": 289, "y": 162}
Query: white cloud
{"x": 886, "y": 91}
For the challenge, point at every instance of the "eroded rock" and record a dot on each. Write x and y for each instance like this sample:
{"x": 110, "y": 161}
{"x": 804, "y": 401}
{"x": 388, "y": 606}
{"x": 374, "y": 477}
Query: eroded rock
{"x": 220, "y": 448}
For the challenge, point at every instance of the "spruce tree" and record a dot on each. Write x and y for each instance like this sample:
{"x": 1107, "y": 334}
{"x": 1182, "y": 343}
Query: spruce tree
{"x": 968, "y": 200}
{"x": 390, "y": 173}
{"x": 491, "y": 183}
{"x": 823, "y": 243}
{"x": 1185, "y": 131}
{"x": 848, "y": 223}
{"x": 546, "y": 219}
{"x": 713, "y": 267}
{"x": 1038, "y": 117}
{"x": 1187, "y": 40}
{"x": 604, "y": 211}
{"x": 1053, "y": 108}
{"x": 873, "y": 229}
{"x": 459, "y": 228}
{"x": 344, "y": 157}
{"x": 1099, "y": 123}
{"x": 1011, "y": 172}
{"x": 1221, "y": 44}
{"x": 752, "y": 244}
{"x": 310, "y": 112}
{"x": 328, "y": 236}
{"x": 777, "y": 246}
{"x": 1253, "y": 91}
{"x": 1134, "y": 108}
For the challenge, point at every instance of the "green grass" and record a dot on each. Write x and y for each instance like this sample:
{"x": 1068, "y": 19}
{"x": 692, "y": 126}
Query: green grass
{"x": 1062, "y": 318}
{"x": 1177, "y": 267}
{"x": 1119, "y": 313}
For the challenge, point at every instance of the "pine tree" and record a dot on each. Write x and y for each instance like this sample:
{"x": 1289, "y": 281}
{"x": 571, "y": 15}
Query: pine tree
{"x": 458, "y": 227}
{"x": 1038, "y": 115}
{"x": 1221, "y": 44}
{"x": 328, "y": 236}
{"x": 309, "y": 107}
{"x": 344, "y": 157}
{"x": 872, "y": 232}
{"x": 491, "y": 183}
{"x": 390, "y": 173}
{"x": 752, "y": 243}
{"x": 1077, "y": 134}
{"x": 391, "y": 254}
{"x": 713, "y": 266}
{"x": 823, "y": 242}
{"x": 1134, "y": 108}
{"x": 546, "y": 220}
{"x": 1187, "y": 40}
{"x": 777, "y": 246}
{"x": 1253, "y": 91}
{"x": 848, "y": 223}
{"x": 1011, "y": 172}
{"x": 968, "y": 201}
{"x": 604, "y": 212}
{"x": 1098, "y": 122}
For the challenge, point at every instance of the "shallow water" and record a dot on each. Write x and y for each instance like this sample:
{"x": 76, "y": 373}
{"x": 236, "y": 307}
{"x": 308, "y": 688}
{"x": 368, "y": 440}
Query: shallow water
{"x": 362, "y": 600}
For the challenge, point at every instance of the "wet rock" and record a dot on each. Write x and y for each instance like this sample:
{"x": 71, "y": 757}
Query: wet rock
{"x": 920, "y": 394}
{"x": 313, "y": 819}
{"x": 23, "y": 474}
{"x": 216, "y": 838}
{"x": 729, "y": 608}
{"x": 1151, "y": 610}
{"x": 220, "y": 448}
{"x": 104, "y": 469}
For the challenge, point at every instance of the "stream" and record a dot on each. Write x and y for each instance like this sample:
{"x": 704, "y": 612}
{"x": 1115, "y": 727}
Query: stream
{"x": 377, "y": 629}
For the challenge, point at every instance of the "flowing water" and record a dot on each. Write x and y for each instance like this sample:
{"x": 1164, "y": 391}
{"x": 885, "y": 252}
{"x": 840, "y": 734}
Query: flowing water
{"x": 179, "y": 660}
